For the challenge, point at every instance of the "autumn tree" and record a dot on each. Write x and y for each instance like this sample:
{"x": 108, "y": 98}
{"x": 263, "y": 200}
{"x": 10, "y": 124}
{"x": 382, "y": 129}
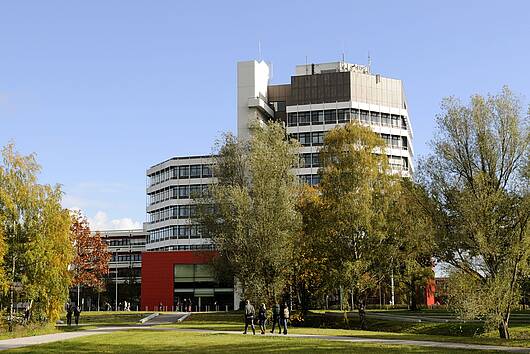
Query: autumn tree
{"x": 91, "y": 262}
{"x": 357, "y": 189}
{"x": 477, "y": 177}
{"x": 410, "y": 240}
{"x": 35, "y": 244}
{"x": 251, "y": 214}
{"x": 310, "y": 264}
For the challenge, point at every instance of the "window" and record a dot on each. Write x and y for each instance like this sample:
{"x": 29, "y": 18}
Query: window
{"x": 374, "y": 118}
{"x": 184, "y": 192}
{"x": 404, "y": 144}
{"x": 385, "y": 119}
{"x": 315, "y": 179}
{"x": 195, "y": 190}
{"x": 317, "y": 138}
{"x": 305, "y": 139}
{"x": 396, "y": 121}
{"x": 184, "y": 171}
{"x": 206, "y": 171}
{"x": 305, "y": 179}
{"x": 195, "y": 171}
{"x": 343, "y": 115}
{"x": 184, "y": 231}
{"x": 184, "y": 211}
{"x": 305, "y": 160}
{"x": 304, "y": 118}
{"x": 317, "y": 117}
{"x": 355, "y": 115}
{"x": 195, "y": 231}
{"x": 292, "y": 119}
{"x": 405, "y": 164}
{"x": 403, "y": 122}
{"x": 315, "y": 159}
{"x": 395, "y": 141}
{"x": 364, "y": 117}
{"x": 386, "y": 138}
{"x": 330, "y": 116}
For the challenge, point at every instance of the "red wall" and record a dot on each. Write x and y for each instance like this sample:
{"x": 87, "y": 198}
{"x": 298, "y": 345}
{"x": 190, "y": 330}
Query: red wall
{"x": 430, "y": 289}
{"x": 157, "y": 275}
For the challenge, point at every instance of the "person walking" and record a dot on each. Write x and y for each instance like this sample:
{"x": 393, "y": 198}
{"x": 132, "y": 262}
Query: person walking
{"x": 69, "y": 311}
{"x": 77, "y": 313}
{"x": 262, "y": 317}
{"x": 285, "y": 317}
{"x": 249, "y": 317}
{"x": 276, "y": 318}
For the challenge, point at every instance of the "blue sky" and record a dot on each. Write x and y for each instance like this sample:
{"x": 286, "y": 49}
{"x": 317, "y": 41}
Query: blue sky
{"x": 101, "y": 90}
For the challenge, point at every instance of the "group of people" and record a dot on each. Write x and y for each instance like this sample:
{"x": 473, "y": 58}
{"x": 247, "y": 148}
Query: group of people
{"x": 280, "y": 317}
{"x": 72, "y": 308}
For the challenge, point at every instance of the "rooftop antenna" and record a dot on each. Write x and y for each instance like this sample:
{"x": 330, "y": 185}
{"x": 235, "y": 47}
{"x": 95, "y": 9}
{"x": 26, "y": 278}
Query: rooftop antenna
{"x": 259, "y": 49}
{"x": 369, "y": 63}
{"x": 343, "y": 52}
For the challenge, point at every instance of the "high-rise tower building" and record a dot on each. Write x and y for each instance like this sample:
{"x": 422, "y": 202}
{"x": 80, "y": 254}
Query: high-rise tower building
{"x": 318, "y": 98}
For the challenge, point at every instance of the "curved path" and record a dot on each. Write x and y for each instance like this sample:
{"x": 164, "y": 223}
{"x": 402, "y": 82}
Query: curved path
{"x": 48, "y": 338}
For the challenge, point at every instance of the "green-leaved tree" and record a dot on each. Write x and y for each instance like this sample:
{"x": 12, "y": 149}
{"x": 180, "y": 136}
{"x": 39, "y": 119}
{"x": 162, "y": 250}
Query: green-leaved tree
{"x": 35, "y": 246}
{"x": 251, "y": 214}
{"x": 476, "y": 178}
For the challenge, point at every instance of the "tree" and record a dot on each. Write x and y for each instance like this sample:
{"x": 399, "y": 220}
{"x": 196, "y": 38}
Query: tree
{"x": 310, "y": 263}
{"x": 91, "y": 262}
{"x": 253, "y": 220}
{"x": 411, "y": 240}
{"x": 356, "y": 190}
{"x": 477, "y": 180}
{"x": 36, "y": 246}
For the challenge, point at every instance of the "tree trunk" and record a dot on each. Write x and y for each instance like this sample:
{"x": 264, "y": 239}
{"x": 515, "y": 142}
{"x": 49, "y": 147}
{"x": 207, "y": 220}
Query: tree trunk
{"x": 413, "y": 302}
{"x": 362, "y": 315}
{"x": 503, "y": 330}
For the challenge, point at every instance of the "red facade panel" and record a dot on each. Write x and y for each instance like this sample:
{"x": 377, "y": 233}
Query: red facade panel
{"x": 157, "y": 275}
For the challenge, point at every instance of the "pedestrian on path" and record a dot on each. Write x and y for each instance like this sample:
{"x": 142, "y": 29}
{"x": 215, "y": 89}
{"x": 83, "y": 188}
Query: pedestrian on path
{"x": 262, "y": 317}
{"x": 276, "y": 318}
{"x": 77, "y": 313}
{"x": 285, "y": 317}
{"x": 249, "y": 317}
{"x": 69, "y": 311}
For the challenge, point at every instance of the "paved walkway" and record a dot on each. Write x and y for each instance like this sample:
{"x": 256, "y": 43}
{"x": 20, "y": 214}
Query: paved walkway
{"x": 48, "y": 338}
{"x": 167, "y": 318}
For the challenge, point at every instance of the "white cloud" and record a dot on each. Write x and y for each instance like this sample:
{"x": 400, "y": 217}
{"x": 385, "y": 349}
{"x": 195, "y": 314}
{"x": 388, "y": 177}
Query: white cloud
{"x": 101, "y": 221}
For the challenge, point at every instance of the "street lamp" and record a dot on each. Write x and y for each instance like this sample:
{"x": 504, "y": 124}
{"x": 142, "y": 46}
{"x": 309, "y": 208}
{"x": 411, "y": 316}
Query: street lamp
{"x": 116, "y": 281}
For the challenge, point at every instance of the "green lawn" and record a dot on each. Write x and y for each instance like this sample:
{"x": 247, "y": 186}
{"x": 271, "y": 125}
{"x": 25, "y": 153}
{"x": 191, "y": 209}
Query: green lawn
{"x": 143, "y": 341}
{"x": 110, "y": 318}
{"x": 379, "y": 329}
{"x": 87, "y": 320}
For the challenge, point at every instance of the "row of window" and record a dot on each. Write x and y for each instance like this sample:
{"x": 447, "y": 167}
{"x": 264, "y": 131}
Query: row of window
{"x": 179, "y": 192}
{"x": 173, "y": 212}
{"x": 181, "y": 172}
{"x": 334, "y": 116}
{"x": 201, "y": 247}
{"x": 133, "y": 257}
{"x": 309, "y": 160}
{"x": 178, "y": 232}
{"x": 309, "y": 139}
{"x": 397, "y": 163}
{"x": 317, "y": 139}
{"x": 126, "y": 242}
{"x": 312, "y": 180}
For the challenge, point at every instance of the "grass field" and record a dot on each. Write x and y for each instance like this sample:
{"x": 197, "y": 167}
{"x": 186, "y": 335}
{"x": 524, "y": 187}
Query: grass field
{"x": 136, "y": 341}
{"x": 139, "y": 341}
{"x": 88, "y": 320}
{"x": 444, "y": 332}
